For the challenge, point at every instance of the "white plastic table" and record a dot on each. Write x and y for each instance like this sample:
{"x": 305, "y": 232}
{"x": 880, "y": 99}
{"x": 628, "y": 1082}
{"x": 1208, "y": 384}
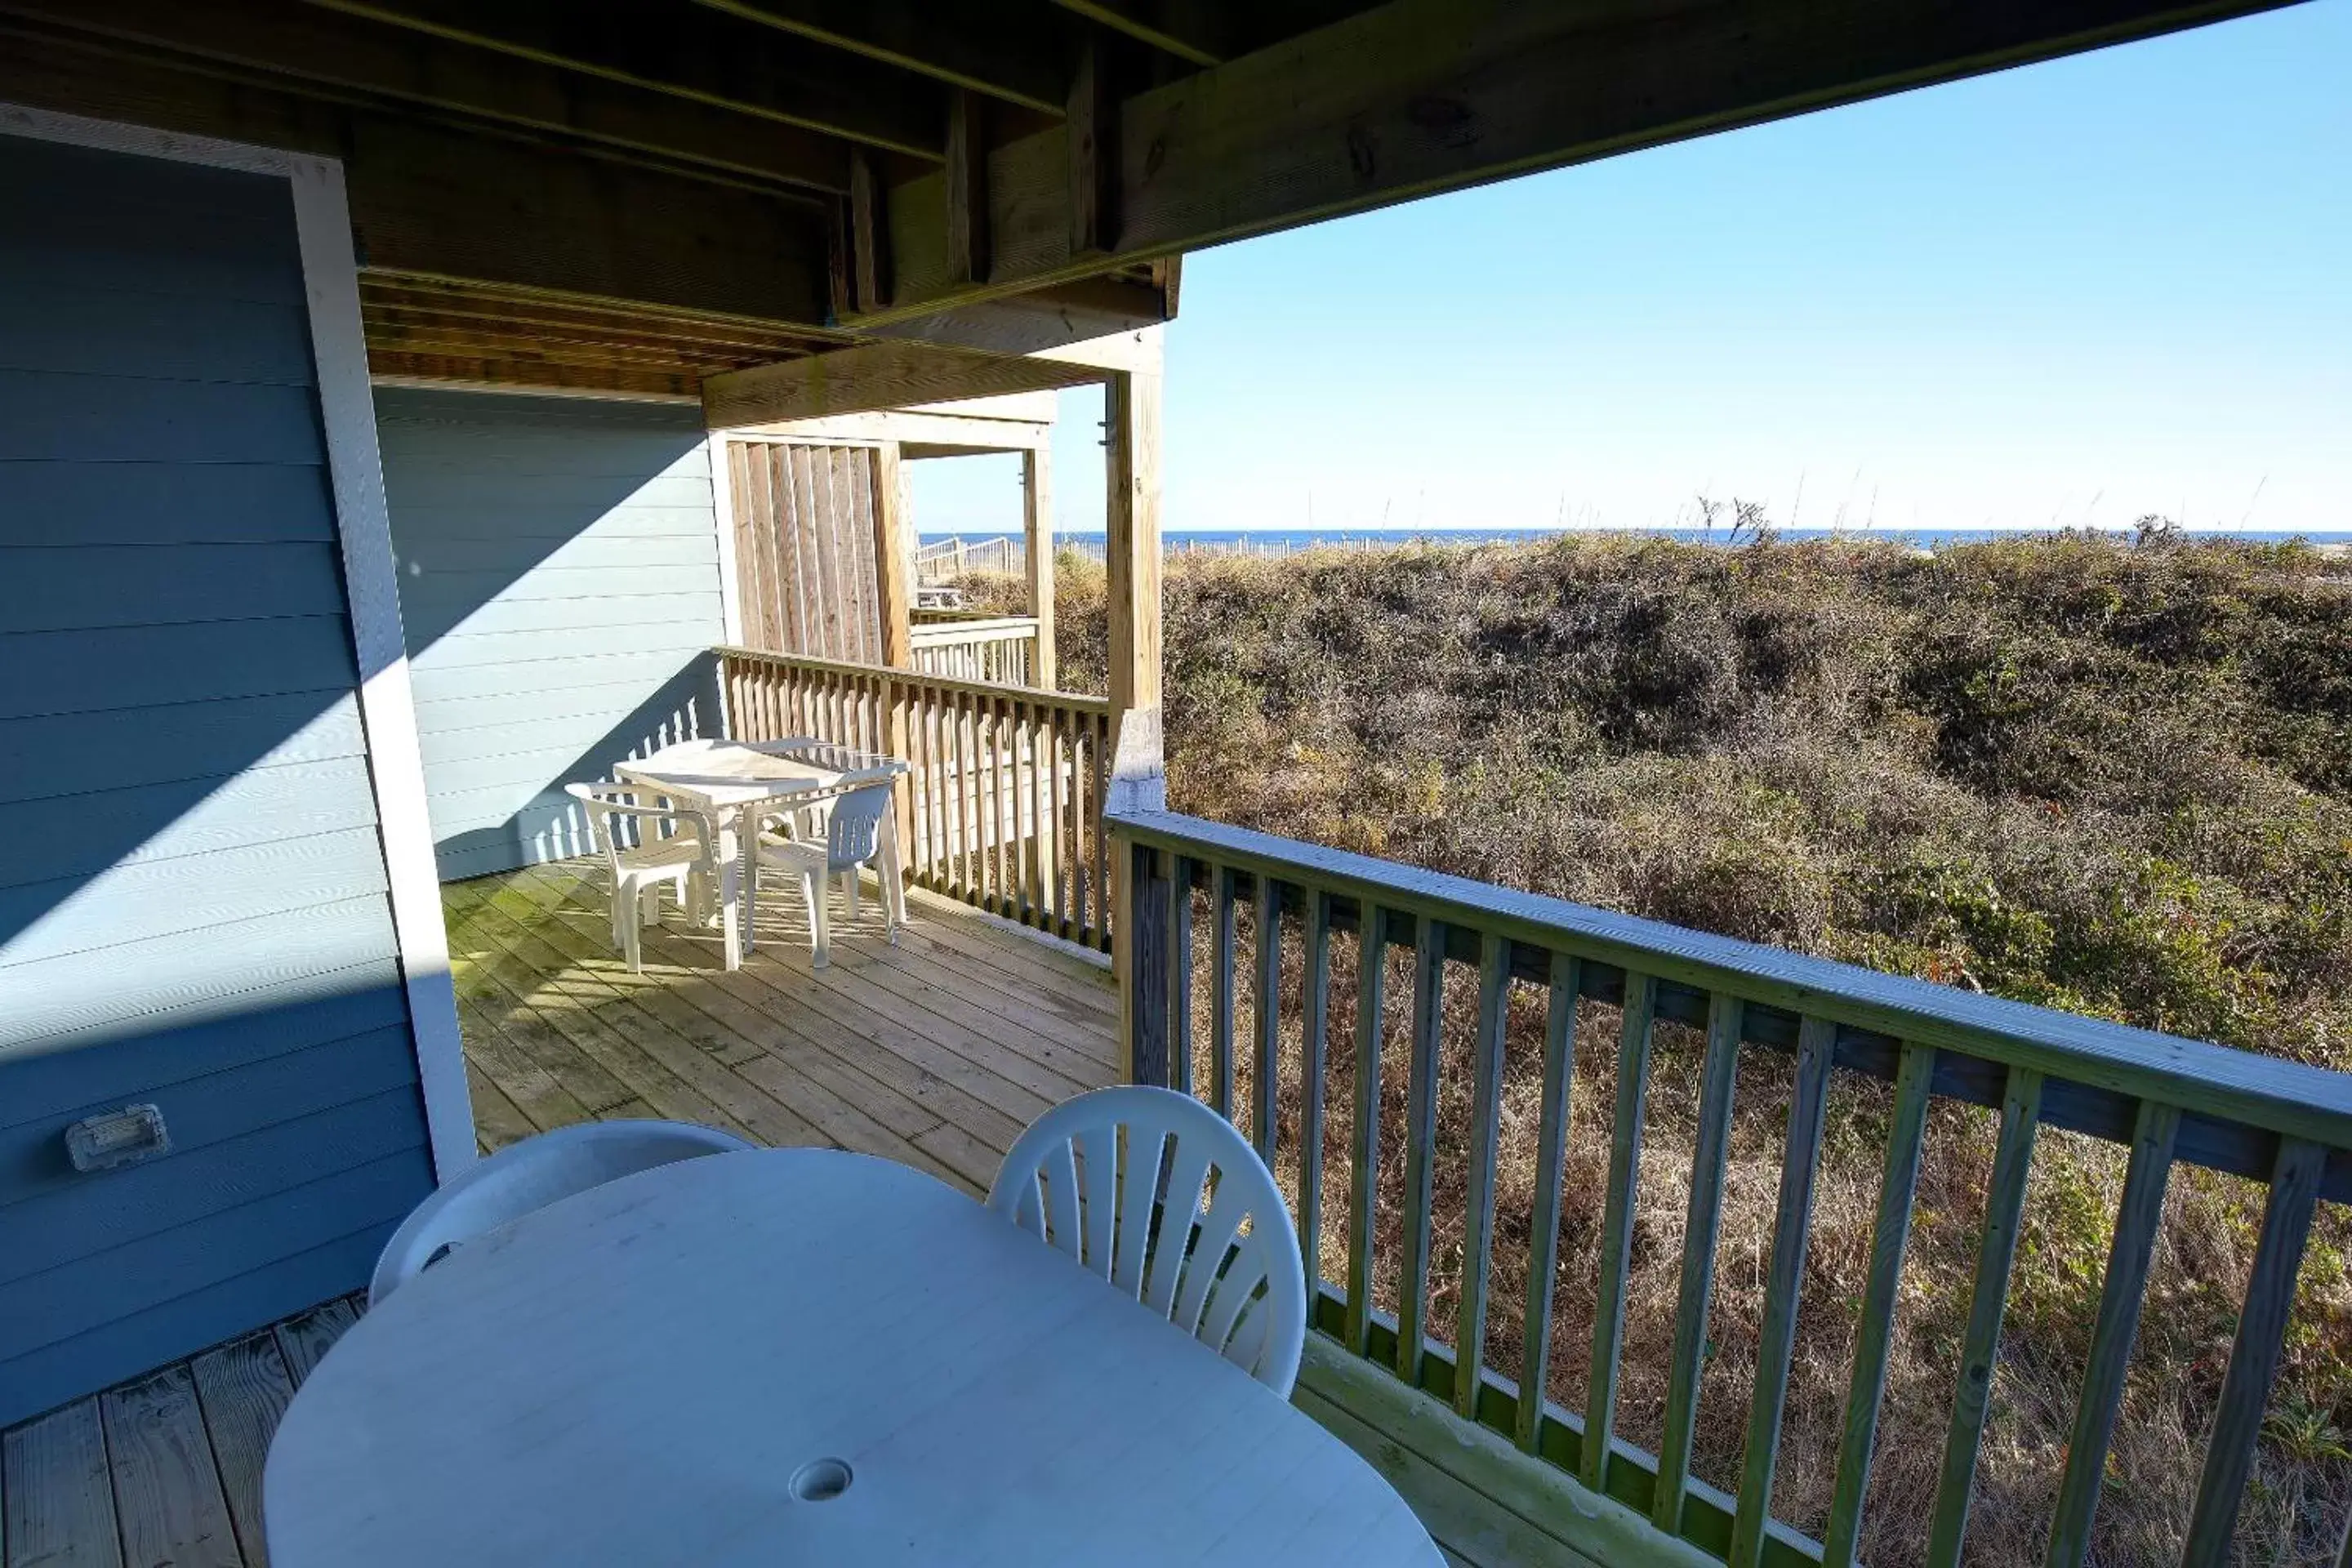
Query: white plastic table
{"x": 723, "y": 777}
{"x": 798, "y": 1356}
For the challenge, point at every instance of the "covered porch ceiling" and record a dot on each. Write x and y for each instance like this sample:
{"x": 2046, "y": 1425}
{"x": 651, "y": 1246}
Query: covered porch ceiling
{"x": 637, "y": 196}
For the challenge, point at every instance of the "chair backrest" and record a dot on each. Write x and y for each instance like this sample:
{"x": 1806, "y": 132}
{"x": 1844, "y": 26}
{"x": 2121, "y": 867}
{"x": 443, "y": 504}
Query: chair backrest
{"x": 611, "y": 808}
{"x": 1151, "y": 1191}
{"x": 529, "y": 1175}
{"x": 854, "y": 831}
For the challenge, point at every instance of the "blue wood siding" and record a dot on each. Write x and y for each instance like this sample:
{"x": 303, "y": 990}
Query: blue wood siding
{"x": 559, "y": 591}
{"x": 192, "y": 883}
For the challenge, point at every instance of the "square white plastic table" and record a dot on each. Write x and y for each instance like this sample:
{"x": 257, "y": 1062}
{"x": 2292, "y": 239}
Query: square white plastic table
{"x": 725, "y": 777}
{"x": 798, "y": 1356}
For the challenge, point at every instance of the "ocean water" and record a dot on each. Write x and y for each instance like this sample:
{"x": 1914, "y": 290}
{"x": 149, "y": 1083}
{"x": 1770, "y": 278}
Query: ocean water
{"x": 1284, "y": 540}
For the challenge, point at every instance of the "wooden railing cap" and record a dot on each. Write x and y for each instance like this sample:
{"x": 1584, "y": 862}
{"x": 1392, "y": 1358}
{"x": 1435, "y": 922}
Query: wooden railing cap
{"x": 2282, "y": 1096}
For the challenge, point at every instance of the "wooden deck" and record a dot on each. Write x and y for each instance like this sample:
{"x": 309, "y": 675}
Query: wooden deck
{"x": 166, "y": 1469}
{"x": 935, "y": 1052}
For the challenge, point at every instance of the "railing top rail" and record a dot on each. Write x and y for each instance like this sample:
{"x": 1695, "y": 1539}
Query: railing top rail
{"x": 2279, "y": 1096}
{"x": 1068, "y": 701}
{"x": 954, "y": 625}
{"x": 948, "y": 546}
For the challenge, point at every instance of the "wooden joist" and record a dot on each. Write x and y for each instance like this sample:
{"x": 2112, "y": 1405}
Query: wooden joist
{"x": 400, "y": 367}
{"x": 437, "y": 202}
{"x": 691, "y": 53}
{"x": 1004, "y": 51}
{"x": 355, "y": 59}
{"x": 1418, "y": 97}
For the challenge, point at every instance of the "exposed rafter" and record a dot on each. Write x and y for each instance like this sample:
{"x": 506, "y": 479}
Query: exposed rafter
{"x": 1189, "y": 32}
{"x": 1005, "y": 51}
{"x": 296, "y": 47}
{"x": 694, "y": 53}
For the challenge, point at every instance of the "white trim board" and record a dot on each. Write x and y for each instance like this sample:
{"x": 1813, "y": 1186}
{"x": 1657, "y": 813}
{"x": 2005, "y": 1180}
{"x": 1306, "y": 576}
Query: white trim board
{"x": 362, "y": 524}
{"x": 722, "y": 518}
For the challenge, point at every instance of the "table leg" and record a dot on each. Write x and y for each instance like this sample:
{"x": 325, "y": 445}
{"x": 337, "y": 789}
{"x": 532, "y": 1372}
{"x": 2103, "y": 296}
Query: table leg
{"x": 894, "y": 881}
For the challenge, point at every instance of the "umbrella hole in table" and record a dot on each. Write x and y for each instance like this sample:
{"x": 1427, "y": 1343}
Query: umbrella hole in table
{"x": 820, "y": 1480}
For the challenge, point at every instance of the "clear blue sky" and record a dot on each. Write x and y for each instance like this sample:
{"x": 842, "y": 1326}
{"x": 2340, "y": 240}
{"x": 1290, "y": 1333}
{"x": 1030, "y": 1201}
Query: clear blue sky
{"x": 2072, "y": 293}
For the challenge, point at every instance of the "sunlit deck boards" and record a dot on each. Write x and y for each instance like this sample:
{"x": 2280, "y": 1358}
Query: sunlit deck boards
{"x": 936, "y": 1052}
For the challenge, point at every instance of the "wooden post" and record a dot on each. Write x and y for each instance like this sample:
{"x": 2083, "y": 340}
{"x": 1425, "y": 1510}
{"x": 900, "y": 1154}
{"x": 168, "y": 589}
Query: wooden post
{"x": 1037, "y": 537}
{"x": 1145, "y": 917}
{"x": 894, "y": 560}
{"x": 869, "y": 233}
{"x": 1131, "y": 465}
{"x": 1138, "y": 783}
{"x": 894, "y": 570}
{"x": 967, "y": 186}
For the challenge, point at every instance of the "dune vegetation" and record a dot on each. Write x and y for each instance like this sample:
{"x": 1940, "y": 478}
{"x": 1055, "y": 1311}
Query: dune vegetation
{"x": 2112, "y": 776}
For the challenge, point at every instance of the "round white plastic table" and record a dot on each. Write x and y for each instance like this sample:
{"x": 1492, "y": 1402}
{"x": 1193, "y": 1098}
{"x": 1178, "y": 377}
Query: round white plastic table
{"x": 797, "y": 1357}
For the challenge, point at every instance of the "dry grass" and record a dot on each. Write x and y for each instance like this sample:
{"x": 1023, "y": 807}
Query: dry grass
{"x": 2112, "y": 779}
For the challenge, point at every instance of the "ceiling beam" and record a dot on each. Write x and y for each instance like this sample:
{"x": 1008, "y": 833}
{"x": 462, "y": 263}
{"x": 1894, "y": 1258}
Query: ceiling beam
{"x": 1043, "y": 318}
{"x": 873, "y": 377}
{"x": 345, "y": 56}
{"x": 412, "y": 304}
{"x": 1418, "y": 97}
{"x": 1004, "y": 51}
{"x": 394, "y": 367}
{"x": 693, "y": 53}
{"x": 434, "y": 203}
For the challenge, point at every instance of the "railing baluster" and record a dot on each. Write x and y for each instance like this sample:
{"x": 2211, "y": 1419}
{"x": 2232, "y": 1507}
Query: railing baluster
{"x": 936, "y": 762}
{"x": 967, "y": 802}
{"x": 1101, "y": 796}
{"x": 1221, "y": 997}
{"x": 2020, "y": 1115}
{"x": 1081, "y": 875}
{"x": 1179, "y": 974}
{"x": 1008, "y": 814}
{"x": 1364, "y": 1152}
{"x": 1784, "y": 1281}
{"x": 1617, "y": 1226}
{"x": 1058, "y": 835}
{"x": 1485, "y": 1132}
{"x": 1310, "y": 1089}
{"x": 984, "y": 757}
{"x": 2255, "y": 1352}
{"x": 1420, "y": 1143}
{"x": 1269, "y": 1016}
{"x": 1703, "y": 1221}
{"x": 1888, "y": 1239}
{"x": 2137, "y": 1220}
{"x": 1566, "y": 979}
{"x": 1029, "y": 763}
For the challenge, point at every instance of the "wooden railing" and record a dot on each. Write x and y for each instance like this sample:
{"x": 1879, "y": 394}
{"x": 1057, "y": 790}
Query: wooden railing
{"x": 948, "y": 559}
{"x": 1003, "y": 809}
{"x": 999, "y": 650}
{"x": 2284, "y": 1124}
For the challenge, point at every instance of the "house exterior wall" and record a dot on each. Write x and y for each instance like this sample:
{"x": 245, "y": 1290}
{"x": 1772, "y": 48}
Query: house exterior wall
{"x": 194, "y": 904}
{"x": 559, "y": 591}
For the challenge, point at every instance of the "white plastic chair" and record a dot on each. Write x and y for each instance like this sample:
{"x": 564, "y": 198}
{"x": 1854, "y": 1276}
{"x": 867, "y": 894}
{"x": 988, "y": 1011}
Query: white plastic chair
{"x": 527, "y": 1176}
{"x": 686, "y": 861}
{"x": 852, "y": 840}
{"x": 1070, "y": 1182}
